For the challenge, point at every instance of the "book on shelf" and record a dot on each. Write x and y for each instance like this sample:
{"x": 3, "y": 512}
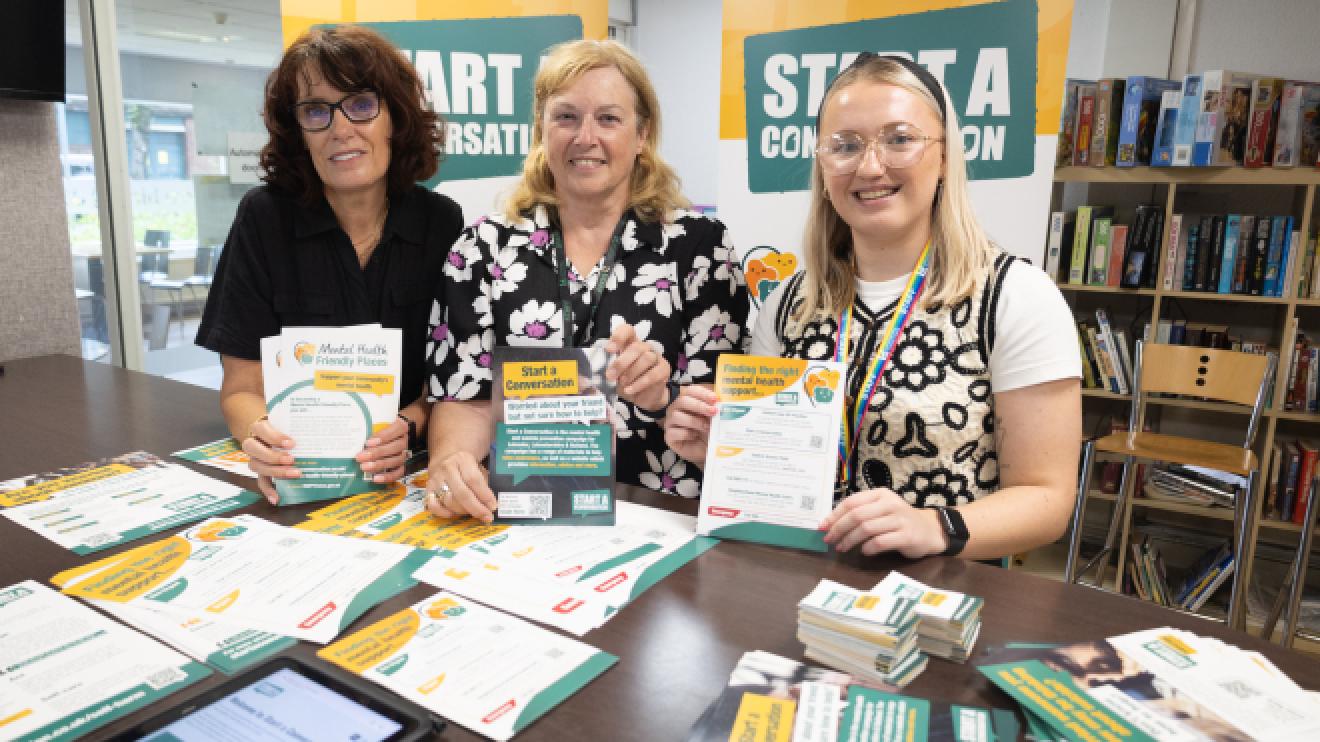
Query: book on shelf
{"x": 1106, "y": 337}
{"x": 1139, "y": 266}
{"x": 1138, "y": 119}
{"x": 1287, "y": 137}
{"x": 1193, "y": 246}
{"x": 1292, "y": 269}
{"x": 1228, "y": 259}
{"x": 1276, "y": 257}
{"x": 1082, "y": 234}
{"x": 1246, "y": 239}
{"x": 1174, "y": 482}
{"x": 1104, "y": 129}
{"x": 1263, "y": 118}
{"x": 1082, "y": 128}
{"x": 1215, "y": 258}
{"x": 1091, "y": 378}
{"x": 1098, "y": 260}
{"x": 1174, "y": 247}
{"x": 1058, "y": 247}
{"x": 1166, "y": 128}
{"x": 1258, "y": 257}
{"x": 1063, "y": 153}
{"x": 1118, "y": 245}
{"x": 1204, "y": 257}
{"x": 1308, "y": 145}
{"x": 1184, "y": 136}
{"x": 1221, "y": 125}
{"x": 1207, "y": 572}
{"x": 1104, "y": 360}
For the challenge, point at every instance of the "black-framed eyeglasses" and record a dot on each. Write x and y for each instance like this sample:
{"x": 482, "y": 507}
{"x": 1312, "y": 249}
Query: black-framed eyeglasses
{"x": 897, "y": 146}
{"x": 358, "y": 107}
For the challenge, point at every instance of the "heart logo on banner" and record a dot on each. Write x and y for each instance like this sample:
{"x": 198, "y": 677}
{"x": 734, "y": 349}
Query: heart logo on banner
{"x": 765, "y": 268}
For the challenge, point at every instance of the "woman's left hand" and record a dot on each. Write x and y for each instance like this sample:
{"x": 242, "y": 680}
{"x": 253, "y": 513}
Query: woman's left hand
{"x": 385, "y": 454}
{"x": 641, "y": 373}
{"x": 878, "y": 520}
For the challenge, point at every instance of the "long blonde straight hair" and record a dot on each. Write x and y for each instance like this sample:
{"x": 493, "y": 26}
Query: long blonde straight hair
{"x": 654, "y": 189}
{"x": 961, "y": 253}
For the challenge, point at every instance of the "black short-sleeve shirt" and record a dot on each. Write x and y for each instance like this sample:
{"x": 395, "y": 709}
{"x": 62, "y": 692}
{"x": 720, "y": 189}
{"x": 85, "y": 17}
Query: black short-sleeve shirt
{"x": 289, "y": 265}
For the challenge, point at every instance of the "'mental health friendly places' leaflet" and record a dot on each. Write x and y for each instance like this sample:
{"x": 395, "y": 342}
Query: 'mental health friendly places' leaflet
{"x": 330, "y": 389}
{"x": 770, "y": 462}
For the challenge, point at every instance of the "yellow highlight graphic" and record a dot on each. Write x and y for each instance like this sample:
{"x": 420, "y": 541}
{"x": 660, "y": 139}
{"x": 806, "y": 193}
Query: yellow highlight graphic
{"x": 15, "y": 717}
{"x": 763, "y": 719}
{"x": 437, "y": 608}
{"x": 725, "y": 452}
{"x": 457, "y": 574}
{"x": 867, "y": 602}
{"x": 346, "y": 381}
{"x": 740, "y": 377}
{"x": 429, "y": 686}
{"x": 933, "y": 599}
{"x": 371, "y": 646}
{"x": 523, "y": 379}
{"x": 122, "y": 578}
{"x": 44, "y": 490}
{"x": 1178, "y": 645}
{"x": 223, "y": 604}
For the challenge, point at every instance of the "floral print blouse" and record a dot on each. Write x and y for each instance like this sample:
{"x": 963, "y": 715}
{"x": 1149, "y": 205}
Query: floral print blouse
{"x": 677, "y": 283}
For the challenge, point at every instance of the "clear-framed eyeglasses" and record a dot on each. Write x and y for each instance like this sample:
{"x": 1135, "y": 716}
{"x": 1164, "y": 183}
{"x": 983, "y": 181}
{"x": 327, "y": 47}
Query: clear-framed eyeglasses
{"x": 359, "y": 107}
{"x": 897, "y": 146}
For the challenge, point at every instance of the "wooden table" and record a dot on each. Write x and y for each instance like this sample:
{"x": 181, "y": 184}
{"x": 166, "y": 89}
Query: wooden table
{"x": 676, "y": 644}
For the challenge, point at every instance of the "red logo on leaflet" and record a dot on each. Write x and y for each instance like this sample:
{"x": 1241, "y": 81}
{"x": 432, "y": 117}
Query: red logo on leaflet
{"x": 569, "y": 571}
{"x": 315, "y": 618}
{"x": 504, "y": 708}
{"x": 568, "y": 605}
{"x": 722, "y": 512}
{"x": 612, "y": 582}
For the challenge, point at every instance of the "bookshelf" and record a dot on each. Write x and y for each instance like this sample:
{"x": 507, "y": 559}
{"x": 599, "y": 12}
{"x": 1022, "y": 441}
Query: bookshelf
{"x": 1254, "y": 318}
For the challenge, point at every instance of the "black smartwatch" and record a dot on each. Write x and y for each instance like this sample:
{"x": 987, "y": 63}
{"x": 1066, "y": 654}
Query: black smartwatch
{"x": 674, "y": 389}
{"x": 955, "y": 528}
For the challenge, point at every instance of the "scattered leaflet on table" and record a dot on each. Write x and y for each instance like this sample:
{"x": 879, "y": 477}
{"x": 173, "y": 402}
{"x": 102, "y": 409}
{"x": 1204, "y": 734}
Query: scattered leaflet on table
{"x": 1159, "y": 684}
{"x": 69, "y": 670}
{"x": 221, "y": 644}
{"x": 868, "y": 635}
{"x": 572, "y": 578}
{"x": 490, "y": 672}
{"x": 330, "y": 389}
{"x": 224, "y": 454}
{"x": 950, "y": 621}
{"x": 252, "y": 574}
{"x": 100, "y": 504}
{"x": 771, "y": 457}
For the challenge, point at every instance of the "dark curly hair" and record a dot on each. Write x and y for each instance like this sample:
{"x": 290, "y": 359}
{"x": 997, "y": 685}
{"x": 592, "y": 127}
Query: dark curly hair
{"x": 350, "y": 58}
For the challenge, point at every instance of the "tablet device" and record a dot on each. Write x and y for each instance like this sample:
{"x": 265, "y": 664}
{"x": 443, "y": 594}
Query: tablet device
{"x": 288, "y": 699}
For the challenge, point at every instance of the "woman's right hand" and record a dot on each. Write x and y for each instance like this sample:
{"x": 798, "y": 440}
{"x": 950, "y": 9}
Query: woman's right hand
{"x": 457, "y": 485}
{"x": 269, "y": 456}
{"x": 687, "y": 422}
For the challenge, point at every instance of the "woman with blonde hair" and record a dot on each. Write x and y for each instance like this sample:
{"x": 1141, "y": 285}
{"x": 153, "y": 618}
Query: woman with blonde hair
{"x": 596, "y": 243}
{"x": 963, "y": 417}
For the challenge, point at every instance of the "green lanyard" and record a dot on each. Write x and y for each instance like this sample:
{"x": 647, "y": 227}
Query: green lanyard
{"x": 565, "y": 297}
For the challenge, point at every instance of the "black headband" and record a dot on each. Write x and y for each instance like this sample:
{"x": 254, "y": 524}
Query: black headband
{"x": 921, "y": 73}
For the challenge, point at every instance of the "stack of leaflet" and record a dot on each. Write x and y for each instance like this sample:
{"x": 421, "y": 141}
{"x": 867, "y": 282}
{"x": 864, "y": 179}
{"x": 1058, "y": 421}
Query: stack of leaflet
{"x": 872, "y": 636}
{"x": 950, "y": 621}
{"x": 1157, "y": 684}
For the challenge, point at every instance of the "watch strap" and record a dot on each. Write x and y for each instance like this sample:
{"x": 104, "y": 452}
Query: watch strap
{"x": 955, "y": 528}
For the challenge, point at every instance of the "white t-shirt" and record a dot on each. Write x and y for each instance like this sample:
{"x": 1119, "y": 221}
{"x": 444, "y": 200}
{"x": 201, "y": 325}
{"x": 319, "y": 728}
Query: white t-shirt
{"x": 1035, "y": 337}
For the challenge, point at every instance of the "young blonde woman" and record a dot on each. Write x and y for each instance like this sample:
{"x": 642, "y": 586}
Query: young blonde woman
{"x": 963, "y": 421}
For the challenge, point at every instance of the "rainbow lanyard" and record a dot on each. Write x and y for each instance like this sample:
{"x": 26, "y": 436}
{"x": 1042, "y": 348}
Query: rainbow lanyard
{"x": 879, "y": 360}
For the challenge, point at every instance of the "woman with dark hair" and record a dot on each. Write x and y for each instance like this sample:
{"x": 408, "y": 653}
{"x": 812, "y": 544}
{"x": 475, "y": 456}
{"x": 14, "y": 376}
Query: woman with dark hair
{"x": 595, "y": 244}
{"x": 340, "y": 234}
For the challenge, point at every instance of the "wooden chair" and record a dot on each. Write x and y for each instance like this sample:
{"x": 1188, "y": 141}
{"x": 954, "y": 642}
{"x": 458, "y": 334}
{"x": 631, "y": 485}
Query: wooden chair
{"x": 1219, "y": 375}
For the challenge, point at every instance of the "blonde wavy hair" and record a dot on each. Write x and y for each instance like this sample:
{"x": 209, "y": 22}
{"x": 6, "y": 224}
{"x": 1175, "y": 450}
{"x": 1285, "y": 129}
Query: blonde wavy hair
{"x": 961, "y": 252}
{"x": 654, "y": 190}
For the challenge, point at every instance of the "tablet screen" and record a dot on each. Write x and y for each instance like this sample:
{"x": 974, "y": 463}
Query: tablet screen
{"x": 284, "y": 705}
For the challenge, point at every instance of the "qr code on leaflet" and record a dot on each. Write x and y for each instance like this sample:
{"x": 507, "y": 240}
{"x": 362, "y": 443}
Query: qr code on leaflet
{"x": 167, "y": 677}
{"x": 816, "y": 441}
{"x": 101, "y": 539}
{"x": 525, "y": 505}
{"x": 808, "y": 502}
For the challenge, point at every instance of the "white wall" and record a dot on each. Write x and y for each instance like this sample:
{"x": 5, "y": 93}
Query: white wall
{"x": 1268, "y": 37}
{"x": 679, "y": 42}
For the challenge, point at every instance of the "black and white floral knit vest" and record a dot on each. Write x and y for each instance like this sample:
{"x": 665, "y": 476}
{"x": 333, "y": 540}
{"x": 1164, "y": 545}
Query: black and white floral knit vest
{"x": 928, "y": 433}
